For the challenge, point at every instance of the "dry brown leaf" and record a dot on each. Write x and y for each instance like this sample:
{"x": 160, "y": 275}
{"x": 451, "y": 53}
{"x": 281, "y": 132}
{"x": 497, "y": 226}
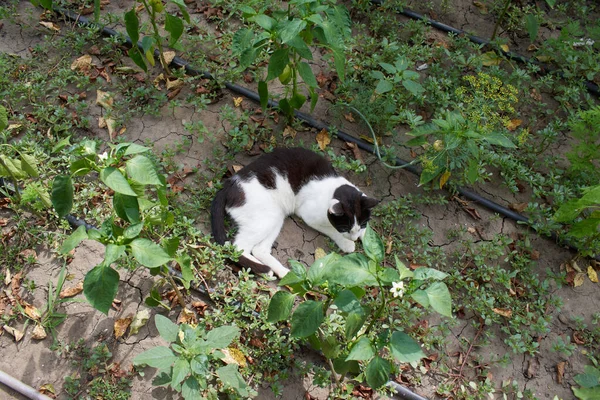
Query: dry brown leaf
{"x": 72, "y": 291}
{"x": 234, "y": 356}
{"x": 289, "y": 132}
{"x": 578, "y": 280}
{"x": 592, "y": 274}
{"x": 502, "y": 311}
{"x": 236, "y": 168}
{"x": 237, "y": 101}
{"x": 518, "y": 207}
{"x": 323, "y": 139}
{"x": 186, "y": 317}
{"x": 535, "y": 95}
{"x": 28, "y": 253}
{"x": 513, "y": 124}
{"x": 7, "y": 277}
{"x": 121, "y": 326}
{"x": 32, "y": 312}
{"x": 173, "y": 93}
{"x": 533, "y": 366}
{"x": 174, "y": 84}
{"x": 532, "y": 47}
{"x": 50, "y": 25}
{"x": 156, "y": 82}
{"x": 471, "y": 230}
{"x": 111, "y": 125}
{"x": 17, "y": 334}
{"x": 560, "y": 371}
{"x": 82, "y": 64}
{"x": 349, "y": 117}
{"x": 169, "y": 56}
{"x": 48, "y": 390}
{"x": 104, "y": 99}
{"x": 38, "y": 333}
{"x": 481, "y": 7}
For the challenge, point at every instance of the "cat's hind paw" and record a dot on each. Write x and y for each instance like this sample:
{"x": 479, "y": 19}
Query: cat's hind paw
{"x": 347, "y": 246}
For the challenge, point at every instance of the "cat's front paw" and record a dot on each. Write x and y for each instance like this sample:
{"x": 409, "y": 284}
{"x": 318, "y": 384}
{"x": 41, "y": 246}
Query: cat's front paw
{"x": 281, "y": 272}
{"x": 347, "y": 246}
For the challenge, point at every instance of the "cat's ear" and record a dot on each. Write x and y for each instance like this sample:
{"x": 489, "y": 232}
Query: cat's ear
{"x": 335, "y": 208}
{"x": 368, "y": 202}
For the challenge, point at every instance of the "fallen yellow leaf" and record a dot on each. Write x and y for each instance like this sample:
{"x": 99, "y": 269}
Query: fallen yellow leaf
{"x": 104, "y": 99}
{"x": 121, "y": 326}
{"x": 319, "y": 253}
{"x": 82, "y": 64}
{"x": 513, "y": 124}
{"x": 490, "y": 58}
{"x": 504, "y": 47}
{"x": 234, "y": 356}
{"x": 578, "y": 280}
{"x": 174, "y": 83}
{"x": 32, "y": 312}
{"x": 17, "y": 334}
{"x": 481, "y": 7}
{"x": 39, "y": 333}
{"x": 444, "y": 178}
{"x": 139, "y": 320}
{"x": 72, "y": 291}
{"x": 592, "y": 274}
{"x": 50, "y": 25}
{"x": 323, "y": 139}
{"x": 237, "y": 101}
{"x": 169, "y": 56}
{"x": 502, "y": 311}
{"x": 187, "y": 317}
{"x": 289, "y": 132}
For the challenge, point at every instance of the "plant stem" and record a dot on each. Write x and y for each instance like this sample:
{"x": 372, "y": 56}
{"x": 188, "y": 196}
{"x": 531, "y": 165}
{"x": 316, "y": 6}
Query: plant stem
{"x": 157, "y": 38}
{"x": 174, "y": 286}
{"x": 330, "y": 363}
{"x": 500, "y": 18}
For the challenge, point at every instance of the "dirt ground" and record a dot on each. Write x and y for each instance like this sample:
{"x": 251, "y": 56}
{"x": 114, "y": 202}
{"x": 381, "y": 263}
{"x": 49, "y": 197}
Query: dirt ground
{"x": 35, "y": 364}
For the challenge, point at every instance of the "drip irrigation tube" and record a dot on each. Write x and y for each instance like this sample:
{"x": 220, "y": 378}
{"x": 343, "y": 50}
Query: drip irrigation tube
{"x": 309, "y": 120}
{"x": 590, "y": 86}
{"x": 21, "y": 387}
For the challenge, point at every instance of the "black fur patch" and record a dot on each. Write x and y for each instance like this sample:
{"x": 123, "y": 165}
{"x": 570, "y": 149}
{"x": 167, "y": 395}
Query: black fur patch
{"x": 297, "y": 164}
{"x": 352, "y": 203}
{"x": 235, "y": 194}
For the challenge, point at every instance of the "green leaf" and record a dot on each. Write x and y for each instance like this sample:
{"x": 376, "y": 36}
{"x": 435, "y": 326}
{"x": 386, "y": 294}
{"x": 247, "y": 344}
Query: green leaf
{"x": 100, "y": 287}
{"x": 307, "y": 318}
{"x": 277, "y": 63}
{"x": 362, "y": 350}
{"x": 551, "y": 3}
{"x": 173, "y": 25}
{"x": 378, "y": 372}
{"x": 112, "y": 253}
{"x": 136, "y": 56}
{"x": 354, "y": 321}
{"x": 590, "y": 378}
{"x": 190, "y": 390}
{"x": 350, "y": 270}
{"x": 290, "y": 279}
{"x": 420, "y": 296}
{"x": 587, "y": 393}
{"x": 568, "y": 211}
{"x": 222, "y": 336}
{"x": 263, "y": 93}
{"x": 339, "y": 62}
{"x": 439, "y": 298}
{"x": 230, "y": 377}
{"x": 280, "y": 306}
{"x": 331, "y": 347}
{"x": 132, "y": 26}
{"x": 473, "y": 170}
{"x": 291, "y": 29}
{"x": 383, "y": 86}
{"x": 241, "y": 41}
{"x": 532, "y": 25}
{"x": 181, "y": 369}
{"x": 142, "y": 170}
{"x": 320, "y": 268}
{"x": 3, "y": 118}
{"x": 183, "y": 9}
{"x": 61, "y": 144}
{"x": 373, "y": 245}
{"x": 591, "y": 196}
{"x": 29, "y": 165}
{"x": 347, "y": 302}
{"x": 301, "y": 47}
{"x": 73, "y": 241}
{"x": 585, "y": 228}
{"x": 413, "y": 87}
{"x": 160, "y": 357}
{"x": 389, "y": 68}
{"x": 133, "y": 230}
{"x": 126, "y": 207}
{"x": 424, "y": 273}
{"x": 307, "y": 75}
{"x": 496, "y": 138}
{"x": 167, "y": 329}
{"x": 62, "y": 195}
{"x": 404, "y": 348}
{"x": 148, "y": 253}
{"x": 113, "y": 178}
{"x": 297, "y": 100}
{"x": 264, "y": 21}
{"x": 389, "y": 275}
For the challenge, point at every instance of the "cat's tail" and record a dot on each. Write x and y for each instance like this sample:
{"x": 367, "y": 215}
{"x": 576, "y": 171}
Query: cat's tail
{"x": 217, "y": 221}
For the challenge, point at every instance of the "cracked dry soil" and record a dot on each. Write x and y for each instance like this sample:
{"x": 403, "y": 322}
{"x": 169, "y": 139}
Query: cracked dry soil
{"x": 35, "y": 364}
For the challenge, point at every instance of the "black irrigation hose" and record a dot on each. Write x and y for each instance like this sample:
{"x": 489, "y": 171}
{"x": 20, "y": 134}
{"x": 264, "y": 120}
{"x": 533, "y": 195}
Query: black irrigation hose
{"x": 590, "y": 86}
{"x": 179, "y": 62}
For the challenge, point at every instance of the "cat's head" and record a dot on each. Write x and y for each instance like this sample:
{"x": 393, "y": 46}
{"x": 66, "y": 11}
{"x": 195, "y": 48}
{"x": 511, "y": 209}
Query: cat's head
{"x": 349, "y": 211}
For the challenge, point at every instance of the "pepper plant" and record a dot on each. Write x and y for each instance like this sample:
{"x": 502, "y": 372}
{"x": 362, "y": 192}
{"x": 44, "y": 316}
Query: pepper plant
{"x": 139, "y": 205}
{"x": 287, "y": 36}
{"x": 369, "y": 341}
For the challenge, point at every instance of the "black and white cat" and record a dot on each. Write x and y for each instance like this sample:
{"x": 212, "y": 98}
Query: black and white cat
{"x": 285, "y": 182}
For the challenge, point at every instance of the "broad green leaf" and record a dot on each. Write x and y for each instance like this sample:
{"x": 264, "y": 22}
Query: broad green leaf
{"x": 350, "y": 270}
{"x": 307, "y": 74}
{"x": 423, "y": 273}
{"x": 591, "y": 196}
{"x": 532, "y": 25}
{"x": 126, "y": 207}
{"x": 551, "y": 3}
{"x": 280, "y": 306}
{"x": 331, "y": 347}
{"x": 354, "y": 321}
{"x": 263, "y": 93}
{"x": 136, "y": 56}
{"x": 389, "y": 275}
{"x": 497, "y": 138}
{"x": 62, "y": 195}
{"x": 373, "y": 245}
{"x": 183, "y": 9}
{"x": 132, "y": 26}
{"x": 378, "y": 372}
{"x": 307, "y": 318}
{"x": 221, "y": 337}
{"x": 297, "y": 100}
{"x": 114, "y": 179}
{"x": 584, "y": 228}
{"x": 362, "y": 350}
{"x": 413, "y": 87}
{"x": 230, "y": 377}
{"x": 181, "y": 369}
{"x": 73, "y": 241}
{"x": 384, "y": 86}
{"x": 301, "y": 47}
{"x": 100, "y": 287}
{"x": 190, "y": 389}
{"x": 291, "y": 29}
{"x": 167, "y": 329}
{"x": 242, "y": 40}
{"x": 590, "y": 378}
{"x": 3, "y": 118}
{"x": 112, "y": 253}
{"x": 290, "y": 279}
{"x": 298, "y": 268}
{"x": 160, "y": 357}
{"x": 473, "y": 170}
{"x": 404, "y": 348}
{"x": 148, "y": 253}
{"x": 134, "y": 148}
{"x": 141, "y": 170}
{"x": 339, "y": 62}
{"x": 321, "y": 267}
{"x": 389, "y": 68}
{"x": 161, "y": 379}
{"x": 342, "y": 366}
{"x": 439, "y": 298}
{"x": 264, "y": 21}
{"x": 61, "y": 144}
{"x": 173, "y": 25}
{"x": 347, "y": 302}
{"x": 587, "y": 393}
{"x": 133, "y": 230}
{"x": 277, "y": 63}
{"x": 420, "y": 296}
{"x": 29, "y": 165}
{"x": 568, "y": 211}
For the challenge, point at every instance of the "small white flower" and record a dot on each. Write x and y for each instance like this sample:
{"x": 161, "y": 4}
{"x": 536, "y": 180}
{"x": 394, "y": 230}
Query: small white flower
{"x": 397, "y": 289}
{"x": 103, "y": 156}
